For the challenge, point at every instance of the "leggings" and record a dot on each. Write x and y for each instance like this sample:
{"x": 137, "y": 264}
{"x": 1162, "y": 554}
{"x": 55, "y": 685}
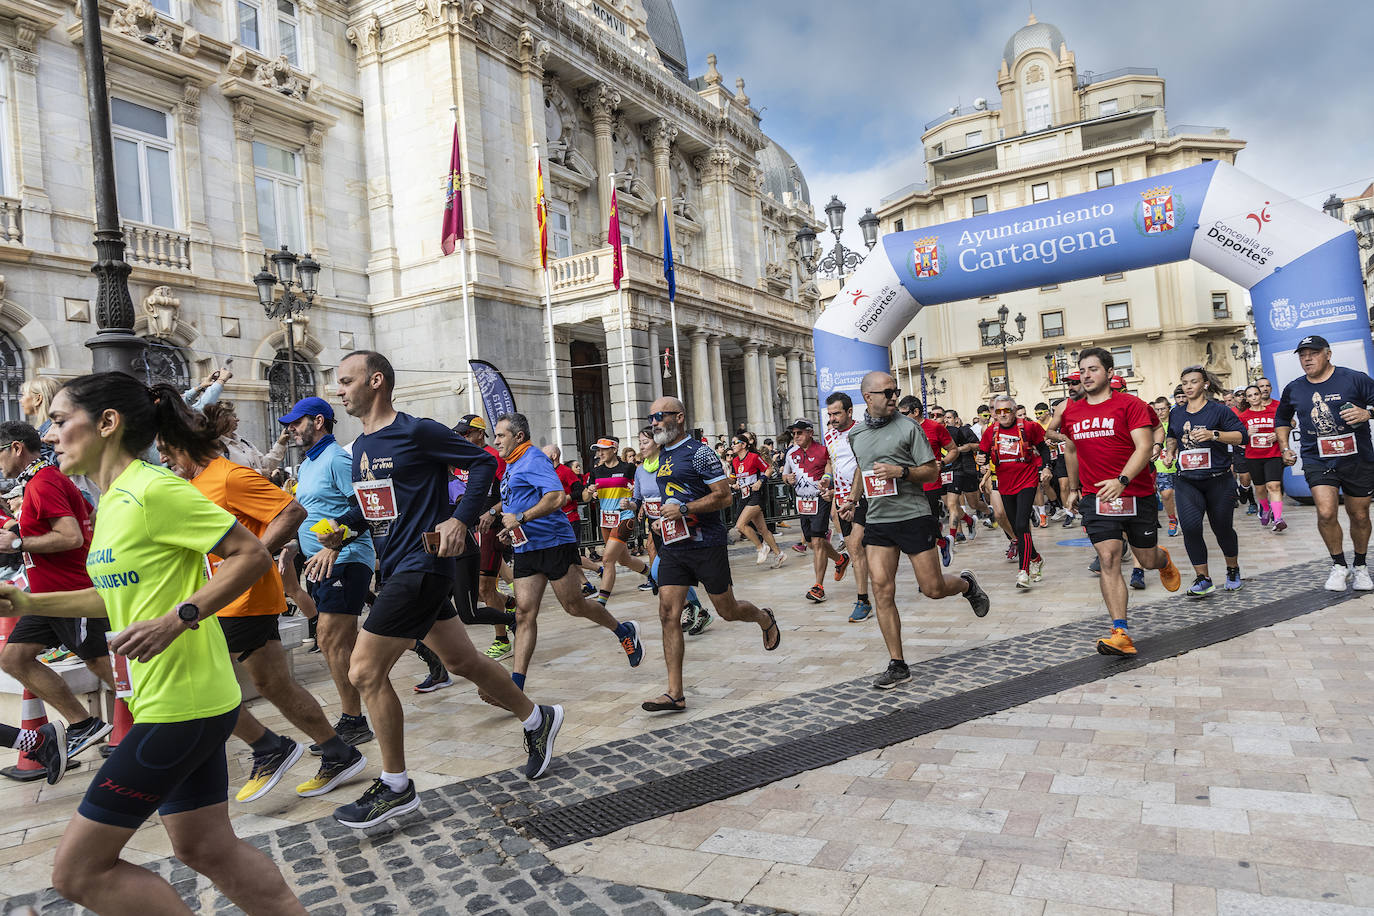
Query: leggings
{"x": 470, "y": 611}
{"x": 1018, "y": 508}
{"x": 1215, "y": 496}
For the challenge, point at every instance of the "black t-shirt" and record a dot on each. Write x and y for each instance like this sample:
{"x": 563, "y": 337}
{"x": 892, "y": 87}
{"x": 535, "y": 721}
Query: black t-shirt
{"x": 967, "y": 462}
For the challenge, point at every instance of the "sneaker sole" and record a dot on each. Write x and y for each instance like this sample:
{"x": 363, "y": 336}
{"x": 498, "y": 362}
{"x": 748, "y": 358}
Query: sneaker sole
{"x": 697, "y": 631}
{"x": 404, "y": 808}
{"x": 553, "y": 733}
{"x": 354, "y": 770}
{"x": 1104, "y": 649}
{"x": 90, "y": 740}
{"x": 60, "y": 739}
{"x": 276, "y": 777}
{"x": 433, "y": 687}
{"x": 811, "y": 597}
{"x": 891, "y": 684}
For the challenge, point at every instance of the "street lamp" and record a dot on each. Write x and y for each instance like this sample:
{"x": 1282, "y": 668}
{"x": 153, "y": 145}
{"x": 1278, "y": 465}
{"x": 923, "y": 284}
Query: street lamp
{"x": 1003, "y": 337}
{"x": 292, "y": 274}
{"x": 839, "y": 259}
{"x": 1246, "y": 350}
{"x": 1334, "y": 207}
{"x": 1058, "y": 365}
{"x": 1364, "y": 226}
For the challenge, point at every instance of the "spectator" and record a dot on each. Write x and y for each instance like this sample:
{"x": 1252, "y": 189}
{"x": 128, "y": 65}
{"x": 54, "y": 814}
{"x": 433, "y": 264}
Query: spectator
{"x": 209, "y": 390}
{"x": 238, "y": 449}
{"x": 35, "y": 396}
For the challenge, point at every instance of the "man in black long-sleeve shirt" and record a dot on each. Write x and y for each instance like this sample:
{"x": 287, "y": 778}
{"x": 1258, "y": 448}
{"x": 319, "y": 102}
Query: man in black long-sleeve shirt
{"x": 400, "y": 475}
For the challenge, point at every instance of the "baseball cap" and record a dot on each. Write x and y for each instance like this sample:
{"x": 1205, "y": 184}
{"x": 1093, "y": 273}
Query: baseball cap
{"x": 801, "y": 423}
{"x": 308, "y": 407}
{"x": 1311, "y": 342}
{"x": 1074, "y": 377}
{"x": 469, "y": 423}
{"x": 605, "y": 442}
{"x": 1118, "y": 383}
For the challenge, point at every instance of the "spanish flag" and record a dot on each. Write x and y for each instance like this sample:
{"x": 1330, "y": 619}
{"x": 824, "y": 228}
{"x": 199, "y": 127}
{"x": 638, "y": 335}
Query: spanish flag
{"x": 541, "y": 215}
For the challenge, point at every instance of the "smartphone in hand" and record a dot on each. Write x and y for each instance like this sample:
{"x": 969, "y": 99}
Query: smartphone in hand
{"x": 431, "y": 539}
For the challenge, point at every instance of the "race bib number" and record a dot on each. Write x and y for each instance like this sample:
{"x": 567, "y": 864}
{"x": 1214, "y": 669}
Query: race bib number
{"x": 1195, "y": 459}
{"x": 517, "y": 537}
{"x": 1336, "y": 446}
{"x": 609, "y": 518}
{"x": 947, "y": 478}
{"x": 1122, "y": 505}
{"x": 875, "y": 486}
{"x": 745, "y": 481}
{"x": 807, "y": 505}
{"x": 377, "y": 499}
{"x": 124, "y": 687}
{"x": 1009, "y": 447}
{"x": 28, "y": 560}
{"x": 674, "y": 530}
{"x": 1263, "y": 440}
{"x": 652, "y": 505}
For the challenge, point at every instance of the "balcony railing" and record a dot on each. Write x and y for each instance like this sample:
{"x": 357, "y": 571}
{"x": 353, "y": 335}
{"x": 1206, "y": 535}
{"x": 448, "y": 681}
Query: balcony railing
{"x": 11, "y": 221}
{"x": 1087, "y": 77}
{"x": 156, "y": 247}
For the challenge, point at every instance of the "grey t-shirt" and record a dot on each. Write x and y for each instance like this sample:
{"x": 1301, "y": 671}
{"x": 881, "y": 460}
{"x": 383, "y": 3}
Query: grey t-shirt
{"x": 899, "y": 442}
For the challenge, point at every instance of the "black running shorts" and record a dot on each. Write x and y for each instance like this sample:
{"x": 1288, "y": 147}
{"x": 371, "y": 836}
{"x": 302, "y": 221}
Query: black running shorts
{"x": 1140, "y": 530}
{"x": 913, "y": 536}
{"x": 409, "y": 603}
{"x": 246, "y": 635}
{"x": 707, "y": 566}
{"x": 85, "y": 636}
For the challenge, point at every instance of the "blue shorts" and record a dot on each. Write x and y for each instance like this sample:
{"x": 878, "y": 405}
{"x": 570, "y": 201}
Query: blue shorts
{"x": 344, "y": 591}
{"x": 1163, "y": 481}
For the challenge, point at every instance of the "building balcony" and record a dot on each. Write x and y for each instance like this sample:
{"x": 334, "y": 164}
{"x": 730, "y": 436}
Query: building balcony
{"x": 11, "y": 221}
{"x": 154, "y": 246}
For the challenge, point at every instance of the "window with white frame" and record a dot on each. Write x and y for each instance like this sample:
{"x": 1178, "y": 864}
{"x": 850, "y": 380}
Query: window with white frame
{"x": 1051, "y": 324}
{"x": 1221, "y": 308}
{"x": 980, "y": 204}
{"x": 560, "y": 229}
{"x": 1040, "y": 191}
{"x": 898, "y": 225}
{"x": 248, "y": 15}
{"x": 271, "y": 27}
{"x": 1106, "y": 178}
{"x": 277, "y": 181}
{"x": 164, "y": 7}
{"x": 143, "y": 151}
{"x": 1037, "y": 109}
{"x": 288, "y": 43}
{"x": 627, "y": 236}
{"x": 1118, "y": 316}
{"x": 912, "y": 349}
{"x": 1125, "y": 364}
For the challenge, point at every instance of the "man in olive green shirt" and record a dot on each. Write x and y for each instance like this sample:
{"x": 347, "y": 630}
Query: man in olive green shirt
{"x": 894, "y": 460}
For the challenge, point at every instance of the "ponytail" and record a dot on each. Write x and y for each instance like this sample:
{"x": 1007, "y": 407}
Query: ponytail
{"x": 145, "y": 412}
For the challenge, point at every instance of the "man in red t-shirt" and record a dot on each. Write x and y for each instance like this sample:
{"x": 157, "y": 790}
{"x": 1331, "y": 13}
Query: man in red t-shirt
{"x": 53, "y": 536}
{"x": 1111, "y": 438}
{"x": 804, "y": 466}
{"x": 573, "y": 485}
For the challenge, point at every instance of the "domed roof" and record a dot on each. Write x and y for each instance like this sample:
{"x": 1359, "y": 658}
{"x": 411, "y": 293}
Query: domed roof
{"x": 667, "y": 35}
{"x": 781, "y": 173}
{"x": 1033, "y": 35}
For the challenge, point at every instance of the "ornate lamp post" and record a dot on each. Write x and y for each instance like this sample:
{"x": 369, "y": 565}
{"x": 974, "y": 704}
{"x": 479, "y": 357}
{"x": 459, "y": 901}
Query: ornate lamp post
{"x": 1246, "y": 350}
{"x": 1003, "y": 337}
{"x": 115, "y": 347}
{"x": 292, "y": 274}
{"x": 839, "y": 259}
{"x": 1363, "y": 219}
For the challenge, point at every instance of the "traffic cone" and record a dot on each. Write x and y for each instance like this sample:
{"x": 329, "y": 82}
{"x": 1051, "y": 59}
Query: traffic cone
{"x": 33, "y": 716}
{"x": 123, "y": 719}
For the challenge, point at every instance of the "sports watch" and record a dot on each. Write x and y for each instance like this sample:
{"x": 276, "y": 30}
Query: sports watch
{"x": 1123, "y": 479}
{"x": 189, "y": 614}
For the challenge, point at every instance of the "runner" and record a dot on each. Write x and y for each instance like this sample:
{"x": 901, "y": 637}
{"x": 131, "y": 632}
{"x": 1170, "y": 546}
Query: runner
{"x": 1164, "y": 475}
{"x": 1017, "y": 448}
{"x": 1240, "y": 465}
{"x": 53, "y": 535}
{"x": 147, "y": 564}
{"x": 400, "y": 474}
{"x": 839, "y": 421}
{"x": 533, "y": 523}
{"x": 47, "y": 744}
{"x": 574, "y": 486}
{"x": 489, "y": 606}
{"x": 250, "y": 621}
{"x": 1262, "y": 453}
{"x": 963, "y": 481}
{"x": 805, "y": 464}
{"x": 695, "y": 618}
{"x": 1206, "y": 430}
{"x": 612, "y": 483}
{"x": 1073, "y": 385}
{"x": 748, "y": 470}
{"x": 1111, "y": 437}
{"x": 893, "y": 456}
{"x": 694, "y": 488}
{"x": 941, "y": 443}
{"x": 1332, "y": 407}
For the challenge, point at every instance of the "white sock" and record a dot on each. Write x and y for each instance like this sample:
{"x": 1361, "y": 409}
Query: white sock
{"x": 396, "y": 782}
{"x": 535, "y": 719}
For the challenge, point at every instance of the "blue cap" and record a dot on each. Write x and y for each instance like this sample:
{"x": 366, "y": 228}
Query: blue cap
{"x": 308, "y": 407}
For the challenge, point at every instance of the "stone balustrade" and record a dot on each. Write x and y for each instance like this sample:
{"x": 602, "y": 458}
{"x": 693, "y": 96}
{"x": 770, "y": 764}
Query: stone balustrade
{"x": 156, "y": 247}
{"x": 11, "y": 221}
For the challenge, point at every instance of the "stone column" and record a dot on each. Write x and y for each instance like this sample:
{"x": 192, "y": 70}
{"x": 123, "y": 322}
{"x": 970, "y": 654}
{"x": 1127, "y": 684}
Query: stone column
{"x": 188, "y": 137}
{"x": 602, "y": 101}
{"x": 660, "y": 135}
{"x": 700, "y": 414}
{"x": 768, "y": 386}
{"x": 752, "y": 395}
{"x": 656, "y": 373}
{"x": 250, "y": 243}
{"x": 383, "y": 259}
{"x": 796, "y": 406}
{"x": 28, "y": 139}
{"x": 632, "y": 348}
{"x": 315, "y": 216}
{"x": 720, "y": 414}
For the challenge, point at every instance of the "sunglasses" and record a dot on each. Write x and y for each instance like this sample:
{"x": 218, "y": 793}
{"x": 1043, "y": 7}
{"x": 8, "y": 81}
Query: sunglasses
{"x": 888, "y": 393}
{"x": 658, "y": 415}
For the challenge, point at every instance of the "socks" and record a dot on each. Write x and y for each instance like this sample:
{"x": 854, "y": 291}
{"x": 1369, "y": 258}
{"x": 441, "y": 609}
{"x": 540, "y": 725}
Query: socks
{"x": 268, "y": 743}
{"x": 1359, "y": 559}
{"x": 396, "y": 782}
{"x": 346, "y": 719}
{"x": 518, "y": 678}
{"x": 535, "y": 720}
{"x": 24, "y": 740}
{"x": 1120, "y": 624}
{"x": 603, "y": 596}
{"x": 1276, "y": 509}
{"x": 1338, "y": 559}
{"x": 863, "y": 596}
{"x": 84, "y": 723}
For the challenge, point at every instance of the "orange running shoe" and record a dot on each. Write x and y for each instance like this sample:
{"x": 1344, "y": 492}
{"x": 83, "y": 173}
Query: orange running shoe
{"x": 1168, "y": 576}
{"x": 1119, "y": 643}
{"x": 841, "y": 566}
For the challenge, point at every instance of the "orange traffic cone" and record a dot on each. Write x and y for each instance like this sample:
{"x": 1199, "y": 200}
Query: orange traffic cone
{"x": 33, "y": 716}
{"x": 123, "y": 719}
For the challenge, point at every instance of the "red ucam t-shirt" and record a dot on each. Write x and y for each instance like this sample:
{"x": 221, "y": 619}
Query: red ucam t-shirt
{"x": 1263, "y": 442}
{"x": 748, "y": 470}
{"x": 1101, "y": 435}
{"x": 937, "y": 434}
{"x": 50, "y": 495}
{"x": 1013, "y": 450}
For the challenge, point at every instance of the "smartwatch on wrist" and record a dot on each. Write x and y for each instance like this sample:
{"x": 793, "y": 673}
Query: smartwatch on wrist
{"x": 18, "y": 544}
{"x": 189, "y": 614}
{"x": 520, "y": 518}
{"x": 1124, "y": 480}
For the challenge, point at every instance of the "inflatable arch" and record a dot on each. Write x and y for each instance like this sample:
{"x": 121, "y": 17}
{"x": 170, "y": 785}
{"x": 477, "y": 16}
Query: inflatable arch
{"x": 1301, "y": 267}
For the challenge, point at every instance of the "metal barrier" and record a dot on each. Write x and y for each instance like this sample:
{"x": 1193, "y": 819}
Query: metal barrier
{"x": 779, "y": 504}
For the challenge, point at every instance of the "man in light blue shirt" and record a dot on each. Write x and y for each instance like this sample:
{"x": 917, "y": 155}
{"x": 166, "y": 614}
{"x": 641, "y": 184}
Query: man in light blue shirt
{"x": 337, "y": 580}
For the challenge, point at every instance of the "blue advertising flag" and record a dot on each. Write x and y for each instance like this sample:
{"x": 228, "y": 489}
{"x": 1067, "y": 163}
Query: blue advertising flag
{"x": 496, "y": 396}
{"x": 668, "y": 259}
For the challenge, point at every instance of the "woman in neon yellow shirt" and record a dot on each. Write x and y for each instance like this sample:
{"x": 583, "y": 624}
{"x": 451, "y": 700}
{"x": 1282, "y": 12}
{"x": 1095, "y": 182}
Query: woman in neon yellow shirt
{"x": 147, "y": 565}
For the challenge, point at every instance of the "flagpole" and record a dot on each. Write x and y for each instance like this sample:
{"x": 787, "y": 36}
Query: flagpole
{"x": 548, "y": 323}
{"x": 625, "y": 369}
{"x": 672, "y": 310}
{"x": 469, "y": 345}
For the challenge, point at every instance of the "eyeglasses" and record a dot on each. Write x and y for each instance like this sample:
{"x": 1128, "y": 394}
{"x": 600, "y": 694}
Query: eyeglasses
{"x": 658, "y": 415}
{"x": 890, "y": 394}
{"x": 1003, "y": 410}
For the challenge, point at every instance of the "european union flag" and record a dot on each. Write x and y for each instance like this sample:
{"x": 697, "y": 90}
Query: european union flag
{"x": 668, "y": 259}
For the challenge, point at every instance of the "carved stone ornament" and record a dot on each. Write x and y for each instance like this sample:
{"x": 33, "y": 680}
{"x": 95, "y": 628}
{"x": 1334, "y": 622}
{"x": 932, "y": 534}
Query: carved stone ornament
{"x": 139, "y": 20}
{"x": 278, "y": 77}
{"x": 25, "y": 34}
{"x": 243, "y": 119}
{"x": 739, "y": 92}
{"x": 229, "y": 327}
{"x": 601, "y": 100}
{"x": 713, "y": 77}
{"x": 162, "y": 307}
{"x": 533, "y": 51}
{"x": 366, "y": 35}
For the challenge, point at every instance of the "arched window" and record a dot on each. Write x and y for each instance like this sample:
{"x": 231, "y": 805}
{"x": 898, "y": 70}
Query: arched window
{"x": 279, "y": 384}
{"x": 11, "y": 378}
{"x": 163, "y": 361}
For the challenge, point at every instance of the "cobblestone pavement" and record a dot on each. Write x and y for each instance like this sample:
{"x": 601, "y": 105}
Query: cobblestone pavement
{"x": 464, "y": 854}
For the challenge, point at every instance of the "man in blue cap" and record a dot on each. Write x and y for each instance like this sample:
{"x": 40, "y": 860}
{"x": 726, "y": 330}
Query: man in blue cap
{"x": 337, "y": 580}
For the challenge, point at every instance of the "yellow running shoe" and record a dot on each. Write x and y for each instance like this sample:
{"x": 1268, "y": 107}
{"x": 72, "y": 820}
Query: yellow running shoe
{"x": 332, "y": 774}
{"x": 1119, "y": 643}
{"x": 268, "y": 769}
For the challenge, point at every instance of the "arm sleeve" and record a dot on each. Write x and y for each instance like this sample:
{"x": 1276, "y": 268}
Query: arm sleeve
{"x": 443, "y": 444}
{"x": 1283, "y": 416}
{"x": 1138, "y": 415}
{"x": 51, "y": 501}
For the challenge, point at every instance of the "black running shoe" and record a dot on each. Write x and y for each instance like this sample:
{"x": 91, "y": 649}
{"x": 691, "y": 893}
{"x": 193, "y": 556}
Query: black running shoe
{"x": 977, "y": 598}
{"x": 377, "y": 804}
{"x": 353, "y": 732}
{"x": 539, "y": 743}
{"x": 79, "y": 739}
{"x": 896, "y": 673}
{"x": 52, "y": 753}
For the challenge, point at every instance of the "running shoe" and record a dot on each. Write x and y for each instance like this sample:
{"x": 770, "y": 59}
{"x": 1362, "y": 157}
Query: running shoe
{"x": 946, "y": 552}
{"x": 958, "y": 537}
{"x": 539, "y": 742}
{"x": 1011, "y": 552}
{"x": 701, "y": 621}
{"x": 588, "y": 589}
{"x": 1023, "y": 579}
{"x": 841, "y": 567}
{"x": 781, "y": 559}
{"x": 1173, "y": 527}
{"x": 1169, "y": 576}
{"x": 862, "y": 611}
{"x": 352, "y": 729}
{"x": 1233, "y": 582}
{"x": 1095, "y": 567}
{"x": 434, "y": 681}
{"x": 1137, "y": 578}
{"x": 799, "y": 547}
{"x": 1252, "y": 510}
{"x": 52, "y": 753}
{"x": 1202, "y": 587}
{"x": 1265, "y": 519}
{"x": 499, "y": 649}
{"x": 977, "y": 598}
{"x": 1044, "y": 519}
{"x": 896, "y": 673}
{"x": 1362, "y": 582}
{"x": 988, "y": 522}
{"x": 1339, "y": 576}
{"x": 651, "y": 582}
{"x": 971, "y": 527}
{"x": 762, "y": 556}
{"x": 268, "y": 769}
{"x": 1068, "y": 520}
{"x": 55, "y": 655}
{"x": 79, "y": 739}
{"x": 506, "y": 588}
{"x": 689, "y": 616}
{"x": 1280, "y": 526}
{"x": 1119, "y": 643}
{"x": 1037, "y": 569}
{"x": 647, "y": 585}
{"x": 816, "y": 593}
{"x": 634, "y": 649}
{"x": 1059, "y": 514}
{"x": 377, "y": 804}
{"x": 332, "y": 774}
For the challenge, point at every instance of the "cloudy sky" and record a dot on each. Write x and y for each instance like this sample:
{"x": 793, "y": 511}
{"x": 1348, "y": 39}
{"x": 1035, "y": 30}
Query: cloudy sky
{"x": 845, "y": 88}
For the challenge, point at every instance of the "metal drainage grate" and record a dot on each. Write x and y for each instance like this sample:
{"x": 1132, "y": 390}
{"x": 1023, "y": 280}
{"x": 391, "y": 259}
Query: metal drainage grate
{"x": 605, "y": 814}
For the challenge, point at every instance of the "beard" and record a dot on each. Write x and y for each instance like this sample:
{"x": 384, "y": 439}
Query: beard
{"x": 668, "y": 433}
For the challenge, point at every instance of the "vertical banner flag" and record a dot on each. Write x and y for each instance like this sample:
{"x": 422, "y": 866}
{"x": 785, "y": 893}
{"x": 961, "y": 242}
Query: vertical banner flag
{"x": 453, "y": 200}
{"x": 613, "y": 239}
{"x": 496, "y": 396}
{"x": 541, "y": 215}
{"x": 668, "y": 273}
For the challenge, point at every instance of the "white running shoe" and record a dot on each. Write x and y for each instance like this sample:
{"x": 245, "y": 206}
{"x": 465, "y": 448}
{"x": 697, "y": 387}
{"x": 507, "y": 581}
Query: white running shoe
{"x": 762, "y": 556}
{"x": 1362, "y": 581}
{"x": 1023, "y": 579}
{"x": 1037, "y": 570}
{"x": 1336, "y": 581}
{"x": 781, "y": 559}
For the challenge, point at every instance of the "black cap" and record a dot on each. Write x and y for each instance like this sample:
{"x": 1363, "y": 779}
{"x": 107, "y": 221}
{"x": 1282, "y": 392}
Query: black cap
{"x": 469, "y": 423}
{"x": 801, "y": 423}
{"x": 1311, "y": 342}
